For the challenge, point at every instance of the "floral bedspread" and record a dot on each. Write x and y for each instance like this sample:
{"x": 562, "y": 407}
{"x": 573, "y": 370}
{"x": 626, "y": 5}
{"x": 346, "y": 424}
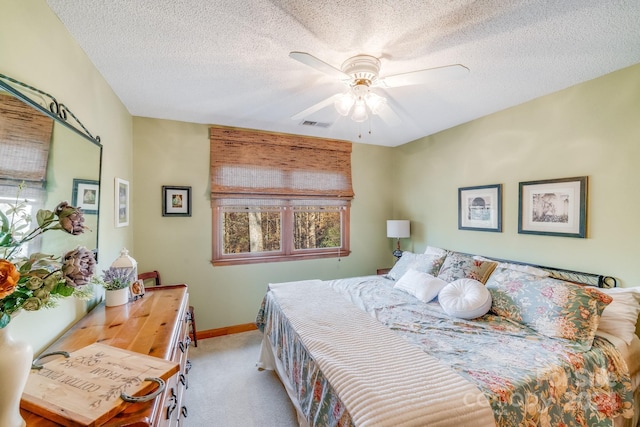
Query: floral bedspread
{"x": 529, "y": 379}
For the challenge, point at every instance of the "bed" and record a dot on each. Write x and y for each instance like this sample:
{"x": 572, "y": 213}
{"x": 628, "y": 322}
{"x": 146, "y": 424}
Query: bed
{"x": 550, "y": 347}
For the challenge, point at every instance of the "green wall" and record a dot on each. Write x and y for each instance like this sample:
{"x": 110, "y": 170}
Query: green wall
{"x": 177, "y": 153}
{"x": 36, "y": 49}
{"x": 591, "y": 129}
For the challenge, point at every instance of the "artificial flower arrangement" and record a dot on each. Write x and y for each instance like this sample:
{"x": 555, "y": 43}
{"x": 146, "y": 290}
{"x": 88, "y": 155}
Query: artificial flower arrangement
{"x": 34, "y": 281}
{"x": 115, "y": 278}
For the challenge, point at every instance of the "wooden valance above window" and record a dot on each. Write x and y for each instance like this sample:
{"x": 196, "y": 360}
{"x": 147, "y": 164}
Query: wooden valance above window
{"x": 25, "y": 138}
{"x": 250, "y": 163}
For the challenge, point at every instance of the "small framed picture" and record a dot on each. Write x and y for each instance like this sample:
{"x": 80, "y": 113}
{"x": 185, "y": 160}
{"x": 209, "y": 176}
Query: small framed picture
{"x": 136, "y": 290}
{"x": 554, "y": 207}
{"x": 480, "y": 208}
{"x": 122, "y": 202}
{"x": 176, "y": 201}
{"x": 86, "y": 195}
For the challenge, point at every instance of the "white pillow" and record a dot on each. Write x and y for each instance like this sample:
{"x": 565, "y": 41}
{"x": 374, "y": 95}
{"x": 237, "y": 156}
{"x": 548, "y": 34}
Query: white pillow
{"x": 465, "y": 298}
{"x": 421, "y": 285}
{"x": 620, "y": 316}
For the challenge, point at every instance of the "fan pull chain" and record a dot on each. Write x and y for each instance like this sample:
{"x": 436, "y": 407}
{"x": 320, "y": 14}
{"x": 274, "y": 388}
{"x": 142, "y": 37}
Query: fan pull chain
{"x": 360, "y": 128}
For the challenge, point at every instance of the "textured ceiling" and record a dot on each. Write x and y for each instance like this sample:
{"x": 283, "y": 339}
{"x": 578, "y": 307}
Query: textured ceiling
{"x": 227, "y": 62}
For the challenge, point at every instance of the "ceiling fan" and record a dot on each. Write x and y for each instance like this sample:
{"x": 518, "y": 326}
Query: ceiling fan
{"x": 361, "y": 74}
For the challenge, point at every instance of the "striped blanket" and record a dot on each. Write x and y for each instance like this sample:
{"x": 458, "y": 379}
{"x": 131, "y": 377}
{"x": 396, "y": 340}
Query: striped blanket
{"x": 327, "y": 343}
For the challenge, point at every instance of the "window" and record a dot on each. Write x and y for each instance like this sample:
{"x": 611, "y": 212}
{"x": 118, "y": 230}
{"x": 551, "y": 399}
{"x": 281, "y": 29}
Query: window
{"x": 278, "y": 197}
{"x": 25, "y": 140}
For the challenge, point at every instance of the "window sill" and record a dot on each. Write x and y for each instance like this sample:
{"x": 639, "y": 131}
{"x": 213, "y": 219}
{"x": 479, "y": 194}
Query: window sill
{"x": 279, "y": 258}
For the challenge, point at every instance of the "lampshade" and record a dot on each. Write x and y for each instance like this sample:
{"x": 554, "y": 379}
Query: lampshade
{"x": 375, "y": 102}
{"x": 359, "y": 111}
{"x": 344, "y": 103}
{"x": 398, "y": 228}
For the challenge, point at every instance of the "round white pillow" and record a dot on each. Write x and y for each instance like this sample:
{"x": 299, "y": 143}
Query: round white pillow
{"x": 465, "y": 298}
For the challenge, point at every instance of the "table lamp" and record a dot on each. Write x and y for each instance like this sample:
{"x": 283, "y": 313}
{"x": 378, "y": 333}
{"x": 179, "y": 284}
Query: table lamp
{"x": 398, "y": 229}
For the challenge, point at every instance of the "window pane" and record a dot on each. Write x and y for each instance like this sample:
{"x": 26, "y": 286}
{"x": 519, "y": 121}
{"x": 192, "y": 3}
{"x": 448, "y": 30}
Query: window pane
{"x": 21, "y": 220}
{"x": 316, "y": 228}
{"x": 253, "y": 230}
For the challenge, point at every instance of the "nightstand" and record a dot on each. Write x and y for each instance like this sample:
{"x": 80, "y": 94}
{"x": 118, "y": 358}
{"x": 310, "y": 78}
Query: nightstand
{"x": 382, "y": 271}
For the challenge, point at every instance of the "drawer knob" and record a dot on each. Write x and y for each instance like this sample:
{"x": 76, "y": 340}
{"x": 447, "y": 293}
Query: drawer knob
{"x": 174, "y": 402}
{"x": 184, "y": 411}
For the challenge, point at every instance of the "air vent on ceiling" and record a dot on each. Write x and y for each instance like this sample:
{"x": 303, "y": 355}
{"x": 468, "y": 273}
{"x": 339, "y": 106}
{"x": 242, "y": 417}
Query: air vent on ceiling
{"x": 316, "y": 124}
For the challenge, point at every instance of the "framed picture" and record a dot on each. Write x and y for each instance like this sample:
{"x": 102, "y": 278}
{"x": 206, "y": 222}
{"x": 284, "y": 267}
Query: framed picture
{"x": 176, "y": 201}
{"x": 122, "y": 202}
{"x": 86, "y": 195}
{"x": 555, "y": 207}
{"x": 136, "y": 290}
{"x": 480, "y": 208}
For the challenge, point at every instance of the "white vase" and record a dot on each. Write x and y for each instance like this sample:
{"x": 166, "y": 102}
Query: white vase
{"x": 15, "y": 363}
{"x": 117, "y": 297}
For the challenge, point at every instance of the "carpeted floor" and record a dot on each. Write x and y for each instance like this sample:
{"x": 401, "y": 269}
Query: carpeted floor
{"x": 227, "y": 390}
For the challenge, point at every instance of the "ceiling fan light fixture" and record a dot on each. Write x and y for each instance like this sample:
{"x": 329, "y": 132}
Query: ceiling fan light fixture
{"x": 375, "y": 102}
{"x": 344, "y": 103}
{"x": 359, "y": 111}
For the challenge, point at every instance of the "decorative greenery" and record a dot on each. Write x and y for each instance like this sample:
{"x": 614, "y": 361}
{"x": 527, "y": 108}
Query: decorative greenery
{"x": 34, "y": 281}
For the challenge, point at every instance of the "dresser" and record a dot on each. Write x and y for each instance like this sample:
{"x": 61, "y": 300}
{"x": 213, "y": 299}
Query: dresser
{"x": 157, "y": 325}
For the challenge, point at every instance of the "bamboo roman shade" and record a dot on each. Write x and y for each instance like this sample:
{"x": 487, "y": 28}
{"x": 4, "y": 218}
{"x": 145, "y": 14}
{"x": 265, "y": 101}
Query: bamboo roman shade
{"x": 249, "y": 163}
{"x": 25, "y": 137}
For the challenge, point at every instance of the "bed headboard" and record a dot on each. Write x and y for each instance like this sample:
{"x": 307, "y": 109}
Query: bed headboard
{"x": 589, "y": 279}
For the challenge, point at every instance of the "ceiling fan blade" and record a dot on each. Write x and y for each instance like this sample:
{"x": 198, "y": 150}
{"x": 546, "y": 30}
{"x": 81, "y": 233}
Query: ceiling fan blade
{"x": 428, "y": 75}
{"x": 316, "y": 107}
{"x": 389, "y": 116}
{"x": 318, "y": 64}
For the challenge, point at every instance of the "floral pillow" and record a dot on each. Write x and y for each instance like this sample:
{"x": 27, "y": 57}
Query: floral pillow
{"x": 462, "y": 266}
{"x": 552, "y": 307}
{"x": 525, "y": 268}
{"x": 429, "y": 264}
{"x": 434, "y": 250}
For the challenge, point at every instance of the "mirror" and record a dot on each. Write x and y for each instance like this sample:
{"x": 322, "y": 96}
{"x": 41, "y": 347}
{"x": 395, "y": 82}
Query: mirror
{"x": 43, "y": 144}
